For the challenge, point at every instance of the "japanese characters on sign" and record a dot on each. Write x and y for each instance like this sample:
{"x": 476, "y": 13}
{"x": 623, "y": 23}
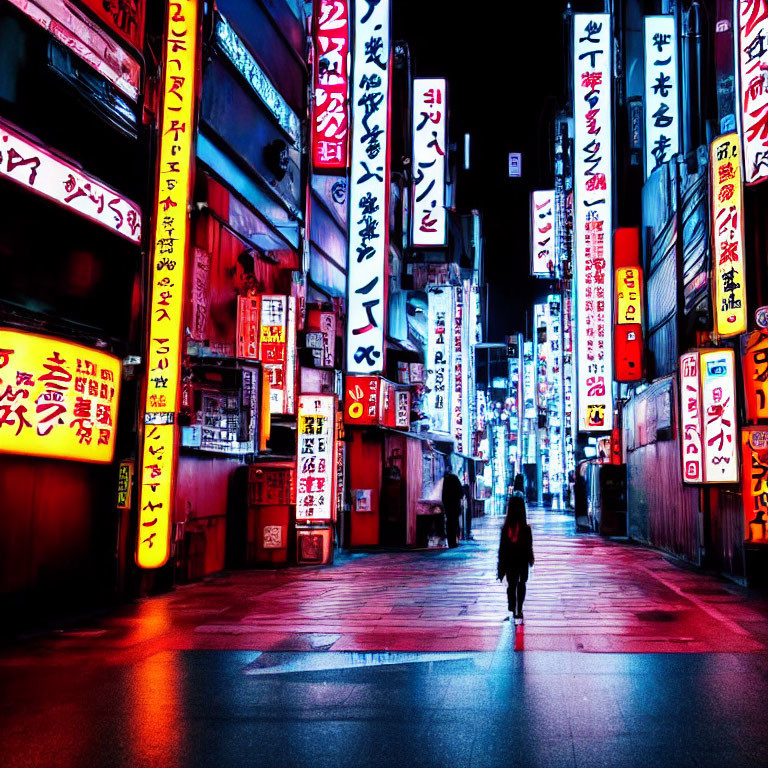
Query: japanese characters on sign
{"x": 361, "y": 402}
{"x": 169, "y": 249}
{"x": 543, "y": 233}
{"x": 755, "y": 366}
{"x": 124, "y": 484}
{"x": 85, "y": 39}
{"x": 593, "y": 192}
{"x": 323, "y": 323}
{"x": 439, "y": 332}
{"x": 753, "y": 64}
{"x": 316, "y": 458}
{"x": 330, "y": 118}
{"x": 277, "y": 344}
{"x": 33, "y": 167}
{"x": 458, "y": 374}
{"x": 429, "y": 151}
{"x": 57, "y": 399}
{"x": 718, "y": 409}
{"x": 402, "y": 408}
{"x": 754, "y": 490}
{"x": 662, "y": 114}
{"x": 727, "y": 237}
{"x": 368, "y": 189}
{"x": 628, "y": 296}
{"x": 754, "y": 483}
{"x": 691, "y": 437}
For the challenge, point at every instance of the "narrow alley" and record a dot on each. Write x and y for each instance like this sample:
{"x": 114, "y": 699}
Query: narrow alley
{"x": 403, "y": 658}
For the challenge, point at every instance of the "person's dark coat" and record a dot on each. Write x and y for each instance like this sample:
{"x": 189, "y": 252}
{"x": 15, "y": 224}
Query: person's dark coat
{"x": 452, "y": 493}
{"x": 515, "y": 550}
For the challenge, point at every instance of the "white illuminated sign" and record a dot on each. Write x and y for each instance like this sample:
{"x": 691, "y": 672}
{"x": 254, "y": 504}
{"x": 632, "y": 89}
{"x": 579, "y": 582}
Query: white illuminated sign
{"x": 439, "y": 332}
{"x": 752, "y": 43}
{"x": 37, "y": 169}
{"x": 429, "y": 119}
{"x": 691, "y": 445}
{"x": 592, "y": 224}
{"x": 662, "y": 114}
{"x": 718, "y": 408}
{"x": 316, "y": 465}
{"x": 458, "y": 373}
{"x": 543, "y": 233}
{"x": 368, "y": 189}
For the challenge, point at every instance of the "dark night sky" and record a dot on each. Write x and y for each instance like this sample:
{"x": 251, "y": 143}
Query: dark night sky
{"x": 504, "y": 64}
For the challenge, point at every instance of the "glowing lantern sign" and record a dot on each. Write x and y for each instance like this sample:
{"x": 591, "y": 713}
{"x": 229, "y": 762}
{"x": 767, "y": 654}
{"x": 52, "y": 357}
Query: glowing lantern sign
{"x": 728, "y": 237}
{"x": 754, "y": 489}
{"x": 755, "y": 366}
{"x": 628, "y": 306}
{"x": 753, "y": 63}
{"x": 316, "y": 458}
{"x": 169, "y": 249}
{"x": 57, "y": 399}
{"x": 368, "y": 189}
{"x": 330, "y": 116}
{"x": 543, "y": 233}
{"x": 592, "y": 222}
{"x": 709, "y": 439}
{"x": 430, "y": 108}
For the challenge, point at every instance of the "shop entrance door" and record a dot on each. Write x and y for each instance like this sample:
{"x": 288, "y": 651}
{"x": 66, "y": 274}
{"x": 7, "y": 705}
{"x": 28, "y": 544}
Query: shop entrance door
{"x": 393, "y": 517}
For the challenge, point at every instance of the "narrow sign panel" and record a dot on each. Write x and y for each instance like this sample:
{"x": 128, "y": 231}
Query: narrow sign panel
{"x": 439, "y": 330}
{"x": 57, "y": 399}
{"x": 755, "y": 366}
{"x": 368, "y": 189}
{"x": 429, "y": 119}
{"x": 543, "y": 233}
{"x": 592, "y": 224}
{"x": 753, "y": 64}
{"x": 330, "y": 120}
{"x": 691, "y": 443}
{"x": 727, "y": 237}
{"x": 718, "y": 405}
{"x": 458, "y": 393}
{"x": 316, "y": 471}
{"x": 169, "y": 248}
{"x": 662, "y": 117}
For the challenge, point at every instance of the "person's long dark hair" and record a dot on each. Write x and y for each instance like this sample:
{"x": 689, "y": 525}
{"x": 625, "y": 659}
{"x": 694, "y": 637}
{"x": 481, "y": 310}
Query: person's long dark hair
{"x": 515, "y": 520}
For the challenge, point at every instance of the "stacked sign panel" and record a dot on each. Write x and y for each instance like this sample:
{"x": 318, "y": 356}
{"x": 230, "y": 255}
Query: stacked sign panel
{"x": 543, "y": 233}
{"x": 662, "y": 115}
{"x": 592, "y": 220}
{"x": 439, "y": 333}
{"x": 369, "y": 187}
{"x": 429, "y": 152}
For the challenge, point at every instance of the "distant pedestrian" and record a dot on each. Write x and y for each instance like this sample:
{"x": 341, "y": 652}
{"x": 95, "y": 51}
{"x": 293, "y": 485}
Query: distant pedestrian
{"x": 515, "y": 554}
{"x": 519, "y": 483}
{"x": 452, "y": 493}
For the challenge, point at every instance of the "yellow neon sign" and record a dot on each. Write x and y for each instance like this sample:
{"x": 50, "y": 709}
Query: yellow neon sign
{"x": 628, "y": 305}
{"x": 169, "y": 250}
{"x": 57, "y": 399}
{"x": 727, "y": 237}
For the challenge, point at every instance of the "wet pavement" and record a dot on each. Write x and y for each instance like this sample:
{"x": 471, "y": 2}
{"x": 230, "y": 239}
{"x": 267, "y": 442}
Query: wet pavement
{"x": 404, "y": 658}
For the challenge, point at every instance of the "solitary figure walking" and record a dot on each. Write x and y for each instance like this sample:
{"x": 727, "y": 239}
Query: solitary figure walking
{"x": 515, "y": 554}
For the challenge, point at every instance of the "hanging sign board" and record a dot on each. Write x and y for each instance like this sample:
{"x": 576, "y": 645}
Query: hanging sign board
{"x": 753, "y": 64}
{"x": 168, "y": 258}
{"x": 718, "y": 408}
{"x": 754, "y": 487}
{"x": 57, "y": 399}
{"x": 730, "y": 304}
{"x": 755, "y": 366}
{"x": 26, "y": 163}
{"x": 316, "y": 458}
{"x": 439, "y": 363}
{"x": 543, "y": 233}
{"x": 429, "y": 152}
{"x": 368, "y": 189}
{"x": 691, "y": 438}
{"x": 331, "y": 80}
{"x": 592, "y": 222}
{"x": 662, "y": 115}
